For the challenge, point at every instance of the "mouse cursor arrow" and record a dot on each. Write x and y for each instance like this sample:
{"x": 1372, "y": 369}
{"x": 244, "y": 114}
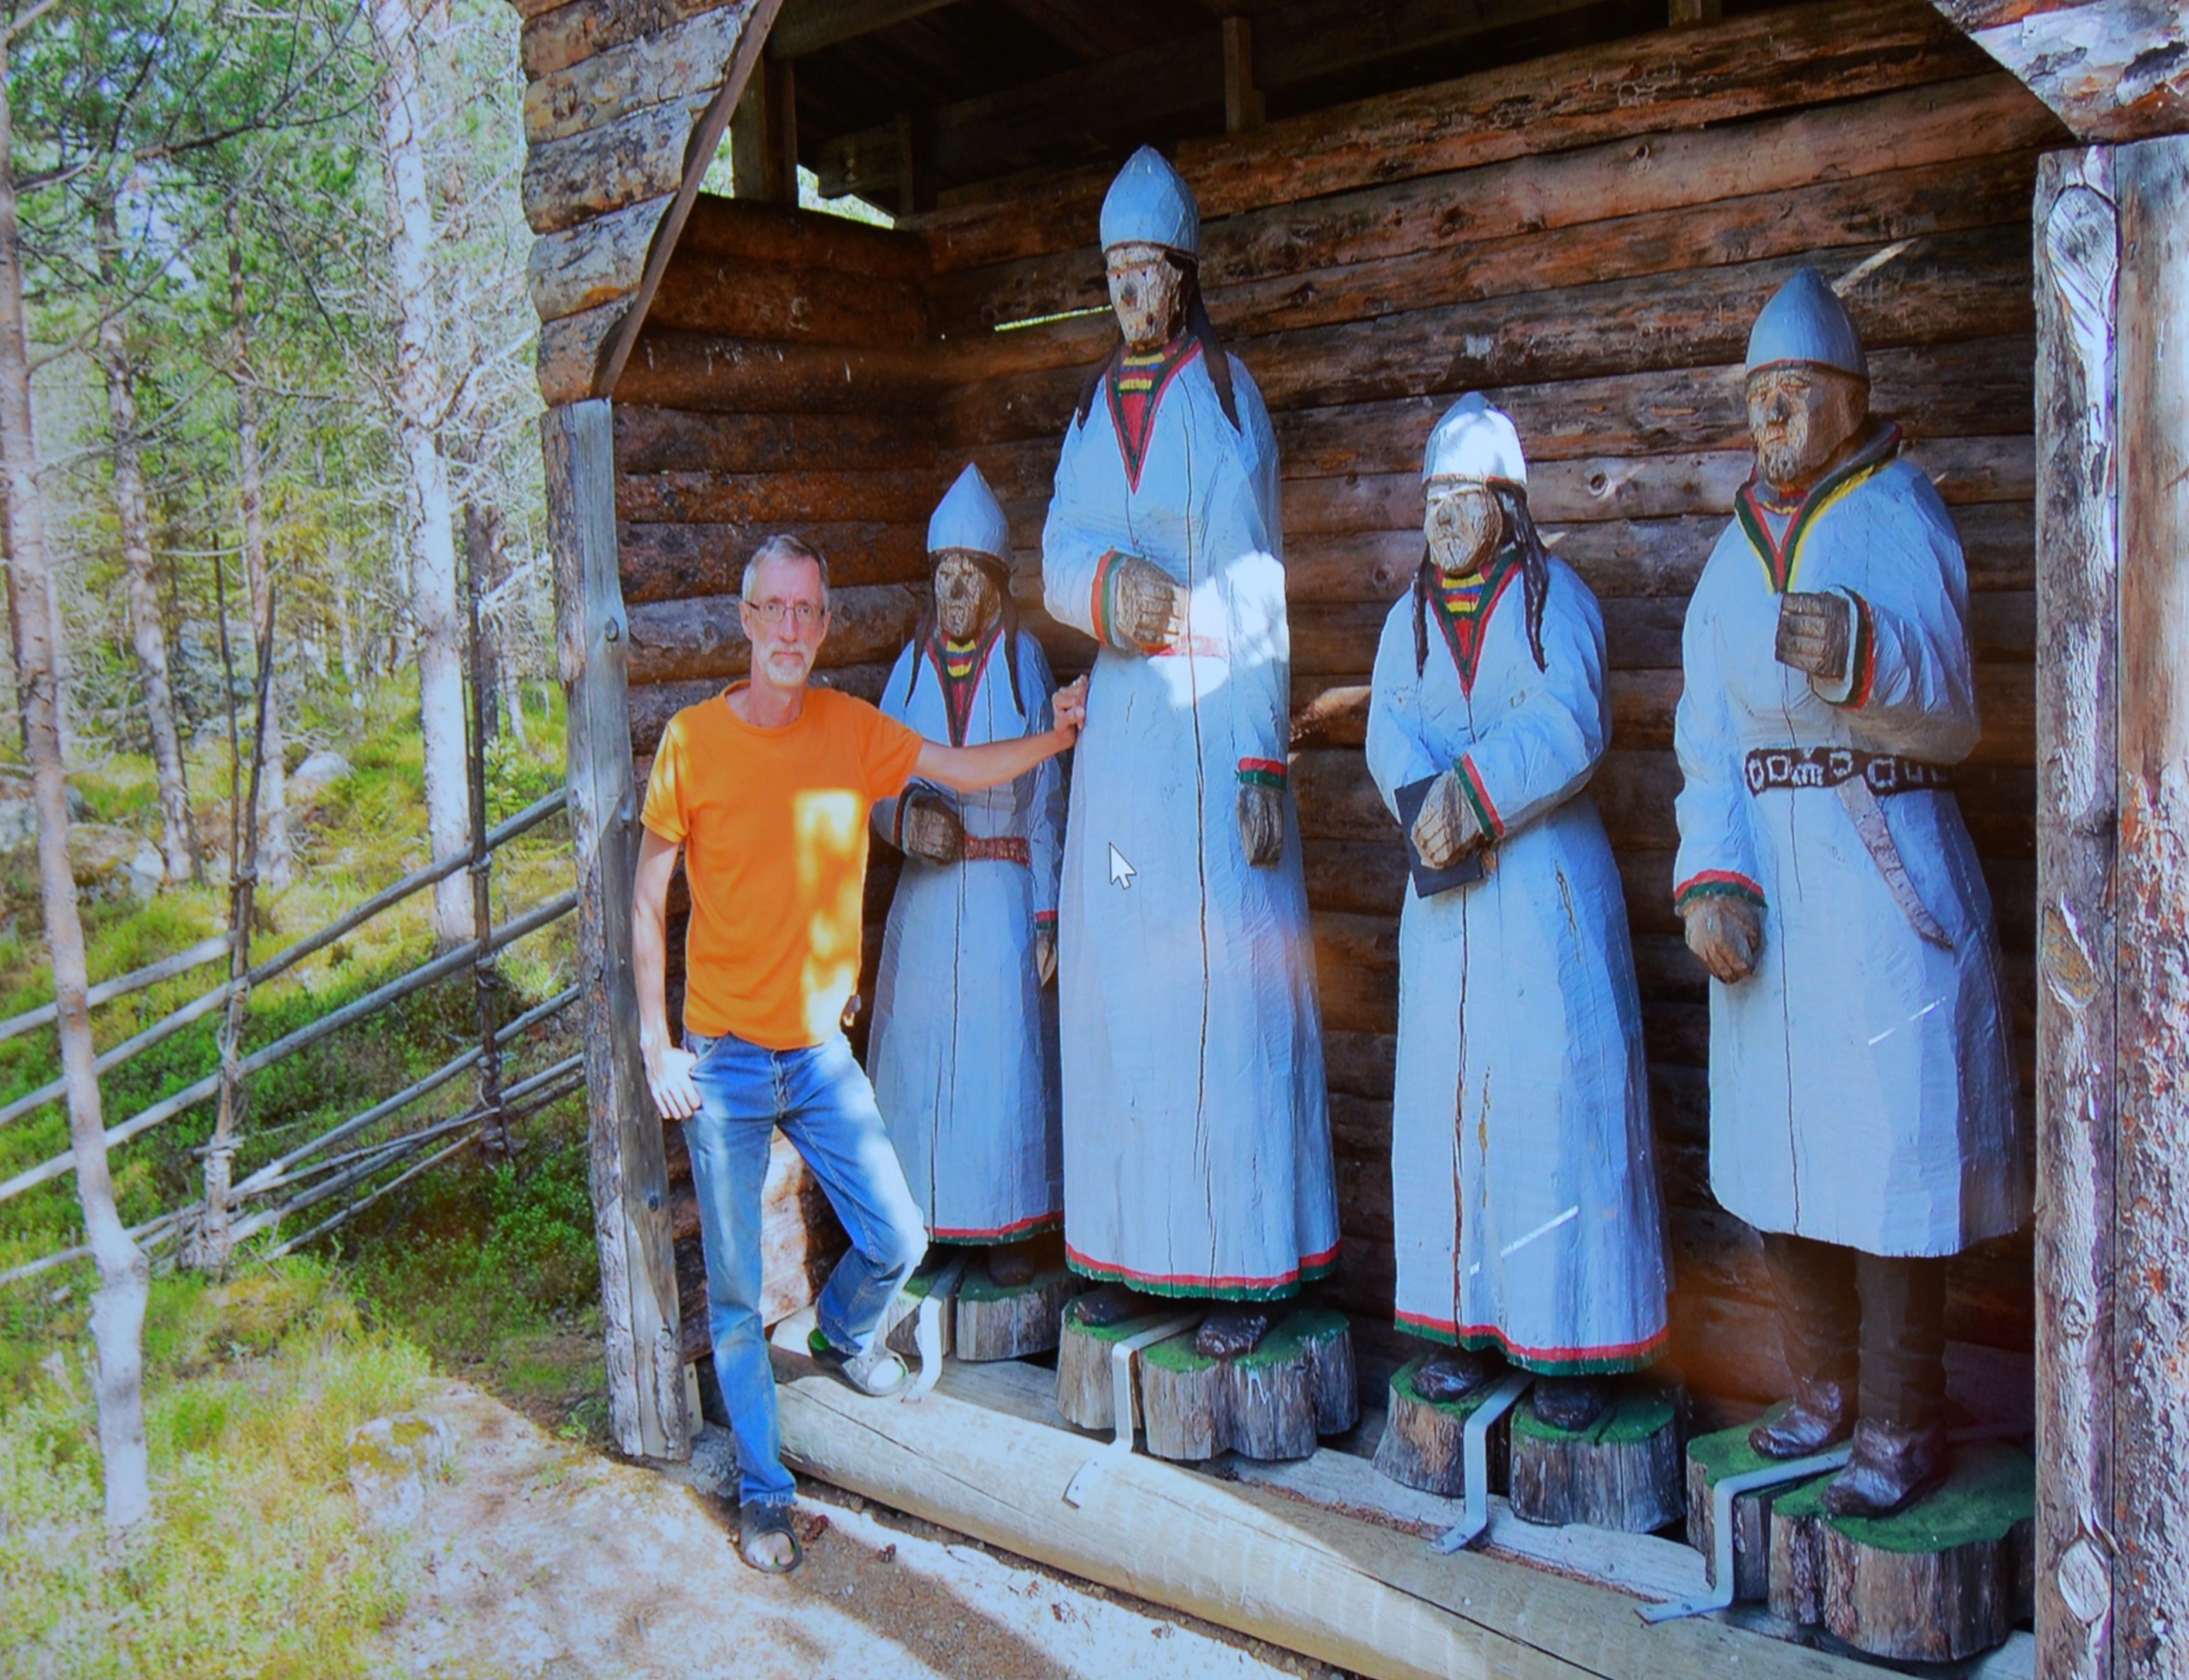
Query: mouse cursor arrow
{"x": 1121, "y": 872}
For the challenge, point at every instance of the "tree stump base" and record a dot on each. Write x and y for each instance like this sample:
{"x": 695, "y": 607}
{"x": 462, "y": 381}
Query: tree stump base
{"x": 1946, "y": 1578}
{"x": 1423, "y": 1438}
{"x": 1084, "y": 1394}
{"x": 1622, "y": 1472}
{"x": 900, "y": 1321}
{"x": 1710, "y": 1459}
{"x": 1000, "y": 1321}
{"x": 1297, "y": 1384}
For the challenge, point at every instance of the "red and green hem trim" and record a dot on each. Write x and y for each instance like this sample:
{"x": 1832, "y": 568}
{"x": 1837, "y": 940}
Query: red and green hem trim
{"x": 1196, "y": 1287}
{"x": 1032, "y": 1226}
{"x": 1102, "y": 610}
{"x": 1485, "y": 809}
{"x": 1718, "y": 884}
{"x": 1265, "y": 773}
{"x": 1605, "y": 1361}
{"x": 1045, "y": 918}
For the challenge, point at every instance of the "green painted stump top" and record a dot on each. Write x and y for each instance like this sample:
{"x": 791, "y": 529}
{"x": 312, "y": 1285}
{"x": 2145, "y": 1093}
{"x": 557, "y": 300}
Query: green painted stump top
{"x": 1991, "y": 1486}
{"x": 1464, "y": 1407}
{"x": 1285, "y": 1341}
{"x": 1117, "y": 1332}
{"x": 1634, "y": 1415}
{"x": 1726, "y": 1452}
{"x": 980, "y": 1289}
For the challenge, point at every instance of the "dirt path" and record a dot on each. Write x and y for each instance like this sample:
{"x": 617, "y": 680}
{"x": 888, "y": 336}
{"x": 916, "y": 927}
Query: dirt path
{"x": 537, "y": 1559}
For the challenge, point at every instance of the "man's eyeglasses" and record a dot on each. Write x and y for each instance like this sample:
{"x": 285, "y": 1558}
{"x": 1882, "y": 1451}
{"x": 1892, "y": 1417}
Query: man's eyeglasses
{"x": 804, "y": 614}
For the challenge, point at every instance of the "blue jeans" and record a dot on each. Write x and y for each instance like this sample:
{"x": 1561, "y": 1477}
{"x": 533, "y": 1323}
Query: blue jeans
{"x": 821, "y": 1099}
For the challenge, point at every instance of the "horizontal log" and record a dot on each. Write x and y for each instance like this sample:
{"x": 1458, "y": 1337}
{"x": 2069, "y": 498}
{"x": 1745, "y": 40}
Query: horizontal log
{"x": 594, "y": 263}
{"x": 1365, "y": 877}
{"x": 573, "y": 348}
{"x": 741, "y": 297}
{"x": 587, "y": 176}
{"x": 1671, "y": 79}
{"x": 662, "y": 562}
{"x": 653, "y": 704}
{"x": 701, "y": 637}
{"x": 902, "y": 497}
{"x": 556, "y": 37}
{"x": 1356, "y": 970}
{"x": 664, "y": 440}
{"x": 667, "y": 66}
{"x": 676, "y": 369}
{"x": 1902, "y": 164}
{"x": 764, "y": 235}
{"x": 1360, "y": 1064}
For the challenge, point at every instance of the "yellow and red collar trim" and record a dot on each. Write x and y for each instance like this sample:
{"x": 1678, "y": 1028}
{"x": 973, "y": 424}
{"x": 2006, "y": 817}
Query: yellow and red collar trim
{"x": 1781, "y": 557}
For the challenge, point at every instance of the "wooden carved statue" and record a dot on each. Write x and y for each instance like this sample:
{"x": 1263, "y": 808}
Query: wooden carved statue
{"x": 1862, "y": 1104}
{"x": 1525, "y": 1202}
{"x": 1197, "y": 1154}
{"x": 965, "y": 1027}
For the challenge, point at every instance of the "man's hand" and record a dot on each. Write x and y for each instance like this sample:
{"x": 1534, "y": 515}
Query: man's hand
{"x": 1261, "y": 824}
{"x": 1816, "y": 633}
{"x": 1045, "y": 953}
{"x": 929, "y": 829}
{"x": 1726, "y": 933}
{"x": 1150, "y": 607}
{"x": 1068, "y": 709}
{"x": 1446, "y": 830}
{"x": 668, "y": 1077}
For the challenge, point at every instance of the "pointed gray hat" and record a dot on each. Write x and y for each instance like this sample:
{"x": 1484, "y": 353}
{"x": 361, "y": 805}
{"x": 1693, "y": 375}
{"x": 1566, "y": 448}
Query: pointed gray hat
{"x": 1150, "y": 204}
{"x": 1806, "y": 322}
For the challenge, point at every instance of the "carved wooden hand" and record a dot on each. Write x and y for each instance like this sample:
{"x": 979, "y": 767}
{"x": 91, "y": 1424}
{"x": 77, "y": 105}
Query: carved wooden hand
{"x": 1816, "y": 633}
{"x": 1261, "y": 824}
{"x": 1151, "y": 608}
{"x": 1726, "y": 933}
{"x": 931, "y": 830}
{"x": 1045, "y": 954}
{"x": 1447, "y": 827}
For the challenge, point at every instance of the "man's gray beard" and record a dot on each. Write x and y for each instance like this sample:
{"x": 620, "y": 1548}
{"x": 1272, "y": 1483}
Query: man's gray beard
{"x": 1780, "y": 463}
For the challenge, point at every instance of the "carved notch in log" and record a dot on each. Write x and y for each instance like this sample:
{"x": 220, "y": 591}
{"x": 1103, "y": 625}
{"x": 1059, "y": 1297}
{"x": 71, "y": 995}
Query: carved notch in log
{"x": 1942, "y": 1580}
{"x": 1622, "y": 1472}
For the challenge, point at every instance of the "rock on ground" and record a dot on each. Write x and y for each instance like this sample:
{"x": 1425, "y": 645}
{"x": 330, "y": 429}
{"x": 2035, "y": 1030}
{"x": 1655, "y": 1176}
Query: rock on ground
{"x": 537, "y": 1559}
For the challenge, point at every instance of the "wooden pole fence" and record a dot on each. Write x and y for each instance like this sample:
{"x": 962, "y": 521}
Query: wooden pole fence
{"x": 192, "y": 957}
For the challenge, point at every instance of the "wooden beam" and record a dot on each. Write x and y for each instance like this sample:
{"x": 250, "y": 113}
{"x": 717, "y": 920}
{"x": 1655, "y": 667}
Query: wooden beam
{"x": 2078, "y": 251}
{"x": 1692, "y": 14}
{"x": 1244, "y": 106}
{"x": 811, "y": 26}
{"x": 779, "y": 165}
{"x": 2150, "y": 1503}
{"x": 631, "y": 1184}
{"x": 2113, "y": 70}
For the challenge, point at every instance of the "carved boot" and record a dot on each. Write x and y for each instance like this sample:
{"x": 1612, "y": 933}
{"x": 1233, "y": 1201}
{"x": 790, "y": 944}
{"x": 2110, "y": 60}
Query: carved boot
{"x": 1569, "y": 1403}
{"x": 1014, "y": 1264}
{"x": 1454, "y": 1373}
{"x": 1891, "y": 1467}
{"x": 1817, "y": 1417}
{"x": 1110, "y": 1304}
{"x": 1230, "y": 1331}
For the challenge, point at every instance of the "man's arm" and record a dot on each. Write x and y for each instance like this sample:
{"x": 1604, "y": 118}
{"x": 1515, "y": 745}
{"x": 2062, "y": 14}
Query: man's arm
{"x": 970, "y": 769}
{"x": 668, "y": 1069}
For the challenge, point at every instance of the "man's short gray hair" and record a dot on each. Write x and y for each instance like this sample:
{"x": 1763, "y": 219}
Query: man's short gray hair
{"x": 784, "y": 546}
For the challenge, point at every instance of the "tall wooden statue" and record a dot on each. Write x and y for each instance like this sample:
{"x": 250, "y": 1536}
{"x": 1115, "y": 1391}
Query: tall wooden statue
{"x": 1197, "y": 1155}
{"x": 1862, "y": 1102}
{"x": 1523, "y": 1197}
{"x": 962, "y": 1049}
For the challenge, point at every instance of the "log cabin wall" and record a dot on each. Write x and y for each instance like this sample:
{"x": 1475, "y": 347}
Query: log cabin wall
{"x": 1587, "y": 237}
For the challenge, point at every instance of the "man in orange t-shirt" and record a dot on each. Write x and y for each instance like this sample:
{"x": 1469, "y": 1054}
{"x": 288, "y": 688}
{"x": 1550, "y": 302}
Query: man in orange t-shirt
{"x": 766, "y": 789}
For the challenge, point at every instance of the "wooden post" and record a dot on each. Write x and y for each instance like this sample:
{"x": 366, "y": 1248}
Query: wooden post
{"x": 493, "y": 1128}
{"x": 1692, "y": 14}
{"x": 2151, "y": 1505}
{"x": 780, "y": 166}
{"x": 748, "y": 141}
{"x": 630, "y": 1178}
{"x": 1244, "y": 108}
{"x": 911, "y": 188}
{"x": 2078, "y": 577}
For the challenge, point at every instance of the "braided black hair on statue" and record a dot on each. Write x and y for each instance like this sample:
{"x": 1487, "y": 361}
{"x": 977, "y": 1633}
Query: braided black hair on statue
{"x": 1198, "y": 327}
{"x": 1519, "y": 532}
{"x": 928, "y": 631}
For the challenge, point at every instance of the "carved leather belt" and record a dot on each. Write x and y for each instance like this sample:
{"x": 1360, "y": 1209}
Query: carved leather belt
{"x": 1004, "y": 849}
{"x": 1768, "y": 768}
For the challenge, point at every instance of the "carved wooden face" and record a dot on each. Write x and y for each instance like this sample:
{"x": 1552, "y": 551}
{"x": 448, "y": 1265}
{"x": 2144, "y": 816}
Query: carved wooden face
{"x": 1800, "y": 417}
{"x": 1147, "y": 293}
{"x": 966, "y": 598}
{"x": 1462, "y": 523}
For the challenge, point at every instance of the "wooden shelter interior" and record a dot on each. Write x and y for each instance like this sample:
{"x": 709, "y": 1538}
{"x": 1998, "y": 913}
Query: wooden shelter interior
{"x": 1567, "y": 204}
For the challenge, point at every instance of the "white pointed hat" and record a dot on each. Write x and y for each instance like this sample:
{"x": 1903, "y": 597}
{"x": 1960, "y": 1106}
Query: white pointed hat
{"x": 1806, "y": 322}
{"x": 1150, "y": 204}
{"x": 1475, "y": 441}
{"x": 970, "y": 516}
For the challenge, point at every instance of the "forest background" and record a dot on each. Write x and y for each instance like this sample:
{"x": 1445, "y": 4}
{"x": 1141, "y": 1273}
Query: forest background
{"x": 272, "y": 265}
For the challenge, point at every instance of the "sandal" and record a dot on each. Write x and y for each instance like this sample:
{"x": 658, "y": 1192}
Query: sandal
{"x": 757, "y": 1522}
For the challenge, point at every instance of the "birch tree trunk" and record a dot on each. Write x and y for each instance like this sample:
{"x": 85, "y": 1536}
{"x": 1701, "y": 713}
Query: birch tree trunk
{"x": 273, "y": 851}
{"x": 118, "y": 1307}
{"x": 418, "y": 398}
{"x": 147, "y": 624}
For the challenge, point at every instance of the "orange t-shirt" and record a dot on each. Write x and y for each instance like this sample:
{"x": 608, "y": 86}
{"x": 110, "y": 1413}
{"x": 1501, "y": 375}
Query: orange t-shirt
{"x": 773, "y": 823}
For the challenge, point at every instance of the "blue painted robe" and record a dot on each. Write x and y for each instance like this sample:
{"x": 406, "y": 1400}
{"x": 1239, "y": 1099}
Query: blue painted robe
{"x": 1197, "y": 1154}
{"x": 964, "y": 1046}
{"x": 1525, "y": 1202}
{"x": 1861, "y": 1091}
